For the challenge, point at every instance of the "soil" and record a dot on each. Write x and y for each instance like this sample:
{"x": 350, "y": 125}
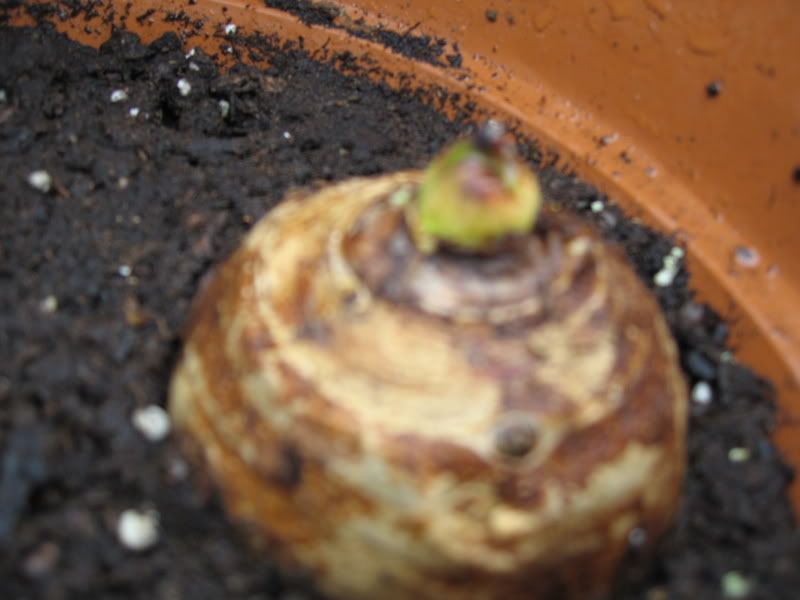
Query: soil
{"x": 97, "y": 273}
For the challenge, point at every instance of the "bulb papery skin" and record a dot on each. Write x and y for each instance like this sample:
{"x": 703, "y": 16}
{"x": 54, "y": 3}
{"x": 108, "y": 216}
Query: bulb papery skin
{"x": 407, "y": 425}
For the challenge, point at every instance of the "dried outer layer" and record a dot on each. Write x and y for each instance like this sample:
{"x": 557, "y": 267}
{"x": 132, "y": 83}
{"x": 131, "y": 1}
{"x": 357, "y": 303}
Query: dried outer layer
{"x": 447, "y": 426}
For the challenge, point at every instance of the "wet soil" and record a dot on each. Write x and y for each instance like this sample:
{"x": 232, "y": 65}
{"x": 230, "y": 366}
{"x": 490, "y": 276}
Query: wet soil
{"x": 97, "y": 272}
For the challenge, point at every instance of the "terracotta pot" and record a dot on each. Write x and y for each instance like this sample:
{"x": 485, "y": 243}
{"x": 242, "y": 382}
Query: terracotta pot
{"x": 686, "y": 113}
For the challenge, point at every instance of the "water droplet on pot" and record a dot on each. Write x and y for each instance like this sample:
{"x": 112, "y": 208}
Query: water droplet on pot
{"x": 746, "y": 257}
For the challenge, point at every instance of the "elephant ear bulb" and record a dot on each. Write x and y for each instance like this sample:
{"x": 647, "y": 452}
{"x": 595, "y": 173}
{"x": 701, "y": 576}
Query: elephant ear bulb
{"x": 430, "y": 384}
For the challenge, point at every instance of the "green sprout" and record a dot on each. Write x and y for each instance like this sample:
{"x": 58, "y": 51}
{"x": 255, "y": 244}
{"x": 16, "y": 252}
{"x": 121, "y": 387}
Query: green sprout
{"x": 475, "y": 194}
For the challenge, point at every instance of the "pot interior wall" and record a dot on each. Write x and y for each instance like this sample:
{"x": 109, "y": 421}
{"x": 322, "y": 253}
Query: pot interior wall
{"x": 685, "y": 113}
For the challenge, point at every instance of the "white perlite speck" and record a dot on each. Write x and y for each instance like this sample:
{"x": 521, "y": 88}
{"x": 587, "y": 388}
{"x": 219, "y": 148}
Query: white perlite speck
{"x": 738, "y": 454}
{"x": 193, "y": 66}
{"x": 609, "y": 139}
{"x": 124, "y": 271}
{"x": 49, "y": 304}
{"x": 670, "y": 267}
{"x": 230, "y": 29}
{"x": 702, "y": 393}
{"x": 596, "y": 206}
{"x": 184, "y": 87}
{"x": 119, "y": 96}
{"x": 664, "y": 277}
{"x": 138, "y": 530}
{"x": 3, "y": 96}
{"x": 153, "y": 422}
{"x": 40, "y": 180}
{"x": 224, "y": 108}
{"x": 191, "y": 53}
{"x": 134, "y": 111}
{"x": 746, "y": 256}
{"x": 735, "y": 585}
{"x": 287, "y": 135}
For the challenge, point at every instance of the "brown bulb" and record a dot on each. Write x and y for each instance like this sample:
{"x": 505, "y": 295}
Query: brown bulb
{"x": 402, "y": 425}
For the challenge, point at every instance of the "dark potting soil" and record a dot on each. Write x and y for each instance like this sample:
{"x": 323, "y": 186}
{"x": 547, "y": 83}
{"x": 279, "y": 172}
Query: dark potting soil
{"x": 96, "y": 275}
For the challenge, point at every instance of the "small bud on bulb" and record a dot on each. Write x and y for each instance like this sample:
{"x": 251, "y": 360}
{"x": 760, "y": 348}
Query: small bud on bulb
{"x": 475, "y": 194}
